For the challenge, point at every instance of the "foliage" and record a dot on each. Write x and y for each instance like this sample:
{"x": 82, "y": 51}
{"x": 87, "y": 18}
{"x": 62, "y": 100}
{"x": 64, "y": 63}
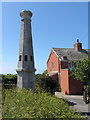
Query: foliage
{"x": 45, "y": 72}
{"x": 49, "y": 84}
{"x": 46, "y": 82}
{"x": 1, "y": 78}
{"x": 8, "y": 80}
{"x": 81, "y": 70}
{"x": 38, "y": 78}
{"x": 87, "y": 87}
{"x": 26, "y": 104}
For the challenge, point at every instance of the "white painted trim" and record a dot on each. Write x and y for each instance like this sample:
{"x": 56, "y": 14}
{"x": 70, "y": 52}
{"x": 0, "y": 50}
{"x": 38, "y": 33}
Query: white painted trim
{"x": 56, "y": 54}
{"x": 60, "y": 59}
{"x": 53, "y": 73}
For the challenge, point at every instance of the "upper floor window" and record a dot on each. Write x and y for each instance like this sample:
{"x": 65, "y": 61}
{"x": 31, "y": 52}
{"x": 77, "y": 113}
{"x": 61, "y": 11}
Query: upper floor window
{"x": 70, "y": 65}
{"x": 53, "y": 65}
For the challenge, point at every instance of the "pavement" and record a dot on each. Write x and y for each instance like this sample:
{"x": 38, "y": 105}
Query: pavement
{"x": 76, "y": 102}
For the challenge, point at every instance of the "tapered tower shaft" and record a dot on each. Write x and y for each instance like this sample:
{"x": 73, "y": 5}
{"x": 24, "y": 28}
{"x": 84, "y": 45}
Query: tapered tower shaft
{"x": 26, "y": 70}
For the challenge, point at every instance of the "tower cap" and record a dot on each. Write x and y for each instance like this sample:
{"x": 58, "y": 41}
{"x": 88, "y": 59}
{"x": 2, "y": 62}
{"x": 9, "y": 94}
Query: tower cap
{"x": 25, "y": 13}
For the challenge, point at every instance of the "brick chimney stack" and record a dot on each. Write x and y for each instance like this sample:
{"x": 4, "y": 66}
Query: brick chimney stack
{"x": 78, "y": 46}
{"x": 77, "y": 40}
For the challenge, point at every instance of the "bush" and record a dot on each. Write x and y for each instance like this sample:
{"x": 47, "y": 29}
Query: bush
{"x": 8, "y": 81}
{"x": 46, "y": 82}
{"x": 26, "y": 104}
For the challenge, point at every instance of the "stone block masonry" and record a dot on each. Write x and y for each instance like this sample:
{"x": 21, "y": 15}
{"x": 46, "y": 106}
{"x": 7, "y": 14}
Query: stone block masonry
{"x": 25, "y": 69}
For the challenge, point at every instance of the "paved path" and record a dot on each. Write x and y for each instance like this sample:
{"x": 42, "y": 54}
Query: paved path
{"x": 76, "y": 102}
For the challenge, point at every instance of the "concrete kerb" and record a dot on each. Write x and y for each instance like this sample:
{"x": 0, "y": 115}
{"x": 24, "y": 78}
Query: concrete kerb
{"x": 62, "y": 95}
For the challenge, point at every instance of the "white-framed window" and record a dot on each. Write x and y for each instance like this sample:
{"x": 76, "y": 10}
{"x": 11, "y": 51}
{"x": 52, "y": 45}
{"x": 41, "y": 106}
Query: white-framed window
{"x": 52, "y": 65}
{"x": 70, "y": 65}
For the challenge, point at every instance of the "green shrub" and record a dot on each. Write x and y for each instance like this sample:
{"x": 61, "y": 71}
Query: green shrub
{"x": 46, "y": 83}
{"x": 8, "y": 81}
{"x": 26, "y": 104}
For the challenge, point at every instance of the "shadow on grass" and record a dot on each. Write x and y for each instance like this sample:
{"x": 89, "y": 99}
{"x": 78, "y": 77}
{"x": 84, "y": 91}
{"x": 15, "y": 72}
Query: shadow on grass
{"x": 69, "y": 103}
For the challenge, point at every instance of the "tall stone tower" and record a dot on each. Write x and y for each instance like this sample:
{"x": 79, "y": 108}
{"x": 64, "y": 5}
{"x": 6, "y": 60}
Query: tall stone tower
{"x": 25, "y": 69}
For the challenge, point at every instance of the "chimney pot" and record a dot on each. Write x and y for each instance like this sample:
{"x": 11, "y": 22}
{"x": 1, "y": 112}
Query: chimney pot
{"x": 77, "y": 40}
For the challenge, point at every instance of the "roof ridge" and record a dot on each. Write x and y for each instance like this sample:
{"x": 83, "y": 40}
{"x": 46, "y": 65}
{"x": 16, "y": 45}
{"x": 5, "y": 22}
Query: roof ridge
{"x": 71, "y": 53}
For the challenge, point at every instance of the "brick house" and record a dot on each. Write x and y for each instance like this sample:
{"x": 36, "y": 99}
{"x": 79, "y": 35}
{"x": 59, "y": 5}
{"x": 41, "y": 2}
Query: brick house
{"x": 60, "y": 61}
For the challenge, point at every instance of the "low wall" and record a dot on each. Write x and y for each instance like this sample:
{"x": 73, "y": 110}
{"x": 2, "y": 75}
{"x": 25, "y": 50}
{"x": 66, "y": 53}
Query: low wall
{"x": 75, "y": 86}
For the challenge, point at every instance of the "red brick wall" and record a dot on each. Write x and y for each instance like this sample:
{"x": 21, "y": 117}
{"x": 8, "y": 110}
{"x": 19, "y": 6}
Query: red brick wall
{"x": 76, "y": 86}
{"x": 68, "y": 84}
{"x": 64, "y": 81}
{"x": 52, "y": 58}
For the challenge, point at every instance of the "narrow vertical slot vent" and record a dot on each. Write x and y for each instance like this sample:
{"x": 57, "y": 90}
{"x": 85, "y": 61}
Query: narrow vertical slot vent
{"x": 31, "y": 58}
{"x": 20, "y": 58}
{"x": 25, "y": 57}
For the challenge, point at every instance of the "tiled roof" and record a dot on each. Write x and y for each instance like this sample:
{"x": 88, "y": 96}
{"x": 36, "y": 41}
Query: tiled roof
{"x": 71, "y": 53}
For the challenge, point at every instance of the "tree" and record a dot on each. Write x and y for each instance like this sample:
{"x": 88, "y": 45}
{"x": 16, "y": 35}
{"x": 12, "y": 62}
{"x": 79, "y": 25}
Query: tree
{"x": 81, "y": 70}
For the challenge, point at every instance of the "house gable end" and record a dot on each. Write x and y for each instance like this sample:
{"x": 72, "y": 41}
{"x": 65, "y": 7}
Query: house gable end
{"x": 51, "y": 53}
{"x": 52, "y": 63}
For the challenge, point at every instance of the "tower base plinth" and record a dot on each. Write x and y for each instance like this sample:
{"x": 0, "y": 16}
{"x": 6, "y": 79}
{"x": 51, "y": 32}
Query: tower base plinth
{"x": 26, "y": 80}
